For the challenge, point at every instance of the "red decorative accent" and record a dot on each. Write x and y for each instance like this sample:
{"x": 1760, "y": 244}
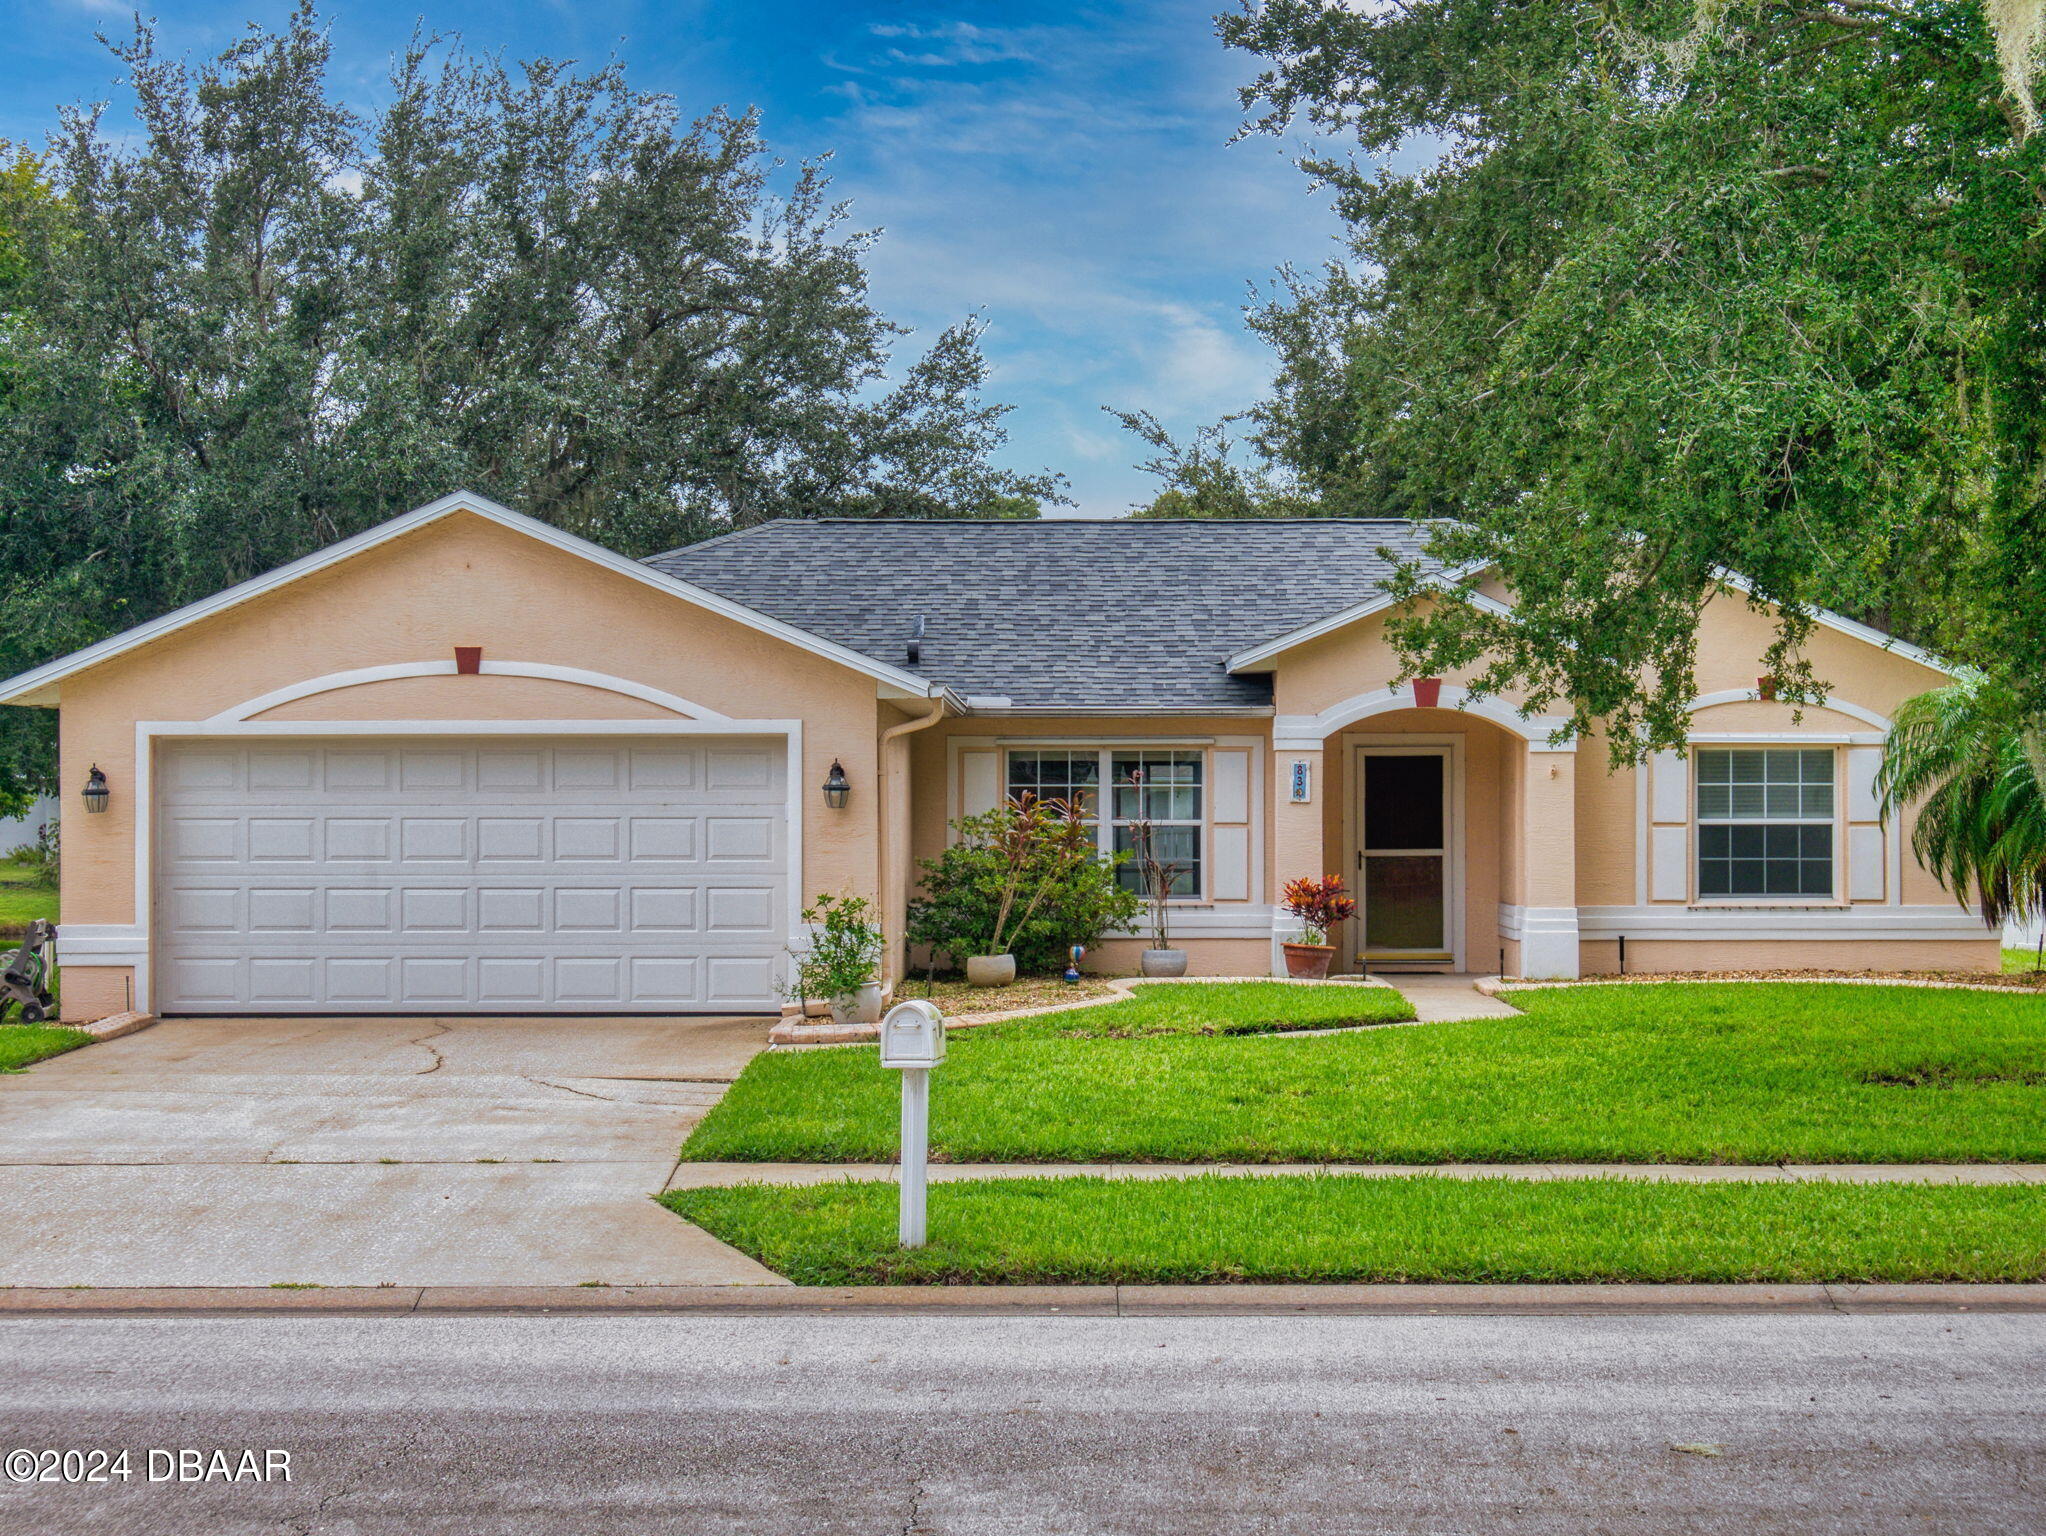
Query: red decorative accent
{"x": 1765, "y": 687}
{"x": 1427, "y": 692}
{"x": 469, "y": 659}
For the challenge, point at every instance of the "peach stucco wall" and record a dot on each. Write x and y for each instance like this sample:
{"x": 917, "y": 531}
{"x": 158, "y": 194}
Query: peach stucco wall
{"x": 460, "y": 581}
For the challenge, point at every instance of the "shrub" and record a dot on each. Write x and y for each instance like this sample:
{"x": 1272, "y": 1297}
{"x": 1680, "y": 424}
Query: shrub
{"x": 1025, "y": 879}
{"x": 845, "y": 948}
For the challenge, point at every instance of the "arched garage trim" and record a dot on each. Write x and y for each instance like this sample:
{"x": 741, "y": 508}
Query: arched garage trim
{"x": 291, "y": 693}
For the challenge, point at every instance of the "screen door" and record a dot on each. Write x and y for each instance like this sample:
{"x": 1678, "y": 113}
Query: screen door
{"x": 1403, "y": 857}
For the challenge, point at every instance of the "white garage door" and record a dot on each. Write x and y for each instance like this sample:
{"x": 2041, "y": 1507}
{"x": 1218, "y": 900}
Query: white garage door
{"x": 499, "y": 875}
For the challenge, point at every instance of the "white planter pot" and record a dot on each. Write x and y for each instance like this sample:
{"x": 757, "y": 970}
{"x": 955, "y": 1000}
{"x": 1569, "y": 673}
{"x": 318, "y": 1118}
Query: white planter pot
{"x": 869, "y": 1003}
{"x": 1162, "y": 962}
{"x": 990, "y": 970}
{"x": 863, "y": 1006}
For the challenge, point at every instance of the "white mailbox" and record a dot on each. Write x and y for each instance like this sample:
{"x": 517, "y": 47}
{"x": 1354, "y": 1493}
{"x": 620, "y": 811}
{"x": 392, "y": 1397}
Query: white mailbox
{"x": 913, "y": 1035}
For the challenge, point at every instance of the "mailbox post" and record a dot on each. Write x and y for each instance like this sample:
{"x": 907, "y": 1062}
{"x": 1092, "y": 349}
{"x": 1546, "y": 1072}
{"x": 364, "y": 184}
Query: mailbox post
{"x": 913, "y": 1042}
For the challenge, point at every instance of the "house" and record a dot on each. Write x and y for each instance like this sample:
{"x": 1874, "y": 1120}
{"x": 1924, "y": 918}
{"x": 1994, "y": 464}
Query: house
{"x": 466, "y": 761}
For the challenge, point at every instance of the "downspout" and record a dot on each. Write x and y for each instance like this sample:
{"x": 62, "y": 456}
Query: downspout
{"x": 895, "y": 881}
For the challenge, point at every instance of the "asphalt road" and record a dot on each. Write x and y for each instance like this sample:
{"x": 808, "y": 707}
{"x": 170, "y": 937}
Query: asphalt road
{"x": 1033, "y": 1425}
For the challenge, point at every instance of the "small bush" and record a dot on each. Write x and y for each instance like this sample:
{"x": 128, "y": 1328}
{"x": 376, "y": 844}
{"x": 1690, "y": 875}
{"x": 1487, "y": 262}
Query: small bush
{"x": 845, "y": 950}
{"x": 1025, "y": 880}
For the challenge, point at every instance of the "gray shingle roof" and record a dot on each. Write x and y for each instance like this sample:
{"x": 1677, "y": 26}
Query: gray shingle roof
{"x": 1072, "y": 613}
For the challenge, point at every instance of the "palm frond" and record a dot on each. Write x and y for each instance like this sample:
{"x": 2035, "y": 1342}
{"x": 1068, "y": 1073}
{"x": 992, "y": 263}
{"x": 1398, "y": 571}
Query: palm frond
{"x": 1971, "y": 765}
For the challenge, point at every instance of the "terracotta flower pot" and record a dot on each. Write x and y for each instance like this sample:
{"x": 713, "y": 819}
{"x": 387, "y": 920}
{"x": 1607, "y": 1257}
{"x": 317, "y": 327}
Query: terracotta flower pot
{"x": 1308, "y": 962}
{"x": 990, "y": 970}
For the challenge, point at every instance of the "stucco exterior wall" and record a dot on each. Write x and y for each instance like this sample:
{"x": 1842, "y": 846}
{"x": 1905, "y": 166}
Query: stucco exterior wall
{"x": 463, "y": 580}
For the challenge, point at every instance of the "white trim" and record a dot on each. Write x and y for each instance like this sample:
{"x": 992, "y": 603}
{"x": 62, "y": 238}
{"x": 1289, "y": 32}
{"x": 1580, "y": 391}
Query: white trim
{"x": 1754, "y": 696}
{"x": 1827, "y": 619}
{"x": 149, "y": 732}
{"x": 1548, "y": 938}
{"x": 102, "y": 944}
{"x": 34, "y": 685}
{"x": 1254, "y": 656}
{"x": 1307, "y": 733}
{"x": 1208, "y": 920}
{"x": 291, "y": 693}
{"x": 1786, "y": 738}
{"x": 1789, "y": 921}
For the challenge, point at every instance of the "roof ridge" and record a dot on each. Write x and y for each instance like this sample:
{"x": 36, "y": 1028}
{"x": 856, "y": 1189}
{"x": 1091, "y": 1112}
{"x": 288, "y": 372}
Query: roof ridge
{"x": 1043, "y": 523}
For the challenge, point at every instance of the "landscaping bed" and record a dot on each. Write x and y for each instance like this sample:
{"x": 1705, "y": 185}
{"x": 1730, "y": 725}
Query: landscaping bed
{"x": 1696, "y": 1073}
{"x": 956, "y": 999}
{"x": 1330, "y": 1228}
{"x": 22, "y": 1044}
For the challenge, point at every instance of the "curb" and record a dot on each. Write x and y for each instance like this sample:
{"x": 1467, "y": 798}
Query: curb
{"x": 1030, "y": 1300}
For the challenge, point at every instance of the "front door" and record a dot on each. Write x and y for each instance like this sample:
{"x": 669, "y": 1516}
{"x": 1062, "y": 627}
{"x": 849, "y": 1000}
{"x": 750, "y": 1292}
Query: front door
{"x": 1403, "y": 857}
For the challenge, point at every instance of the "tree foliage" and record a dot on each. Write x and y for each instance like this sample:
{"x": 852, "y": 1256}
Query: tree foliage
{"x": 1982, "y": 825}
{"x": 266, "y": 322}
{"x": 1640, "y": 300}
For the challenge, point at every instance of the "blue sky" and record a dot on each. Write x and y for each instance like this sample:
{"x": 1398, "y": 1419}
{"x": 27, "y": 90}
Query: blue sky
{"x": 1065, "y": 169}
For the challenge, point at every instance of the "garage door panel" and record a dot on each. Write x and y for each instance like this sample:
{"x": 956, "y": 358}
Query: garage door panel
{"x": 315, "y": 876}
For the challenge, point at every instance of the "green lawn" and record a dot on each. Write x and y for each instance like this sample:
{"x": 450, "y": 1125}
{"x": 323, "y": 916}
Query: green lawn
{"x": 21, "y": 1044}
{"x": 21, "y": 903}
{"x": 1332, "y": 1228}
{"x": 1732, "y": 1073}
{"x": 2017, "y": 961}
{"x": 1211, "y": 1009}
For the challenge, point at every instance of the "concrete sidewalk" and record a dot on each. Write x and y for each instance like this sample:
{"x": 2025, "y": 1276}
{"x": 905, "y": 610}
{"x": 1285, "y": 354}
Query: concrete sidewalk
{"x": 1449, "y": 998}
{"x": 718, "y": 1175}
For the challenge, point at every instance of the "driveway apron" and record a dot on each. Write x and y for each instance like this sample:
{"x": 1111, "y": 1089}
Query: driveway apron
{"x": 366, "y": 1151}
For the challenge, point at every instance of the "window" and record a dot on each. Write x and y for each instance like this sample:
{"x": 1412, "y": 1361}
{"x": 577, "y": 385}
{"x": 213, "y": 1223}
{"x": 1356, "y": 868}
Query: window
{"x": 1162, "y": 788}
{"x": 1058, "y": 775}
{"x": 1765, "y": 821}
{"x": 1160, "y": 785}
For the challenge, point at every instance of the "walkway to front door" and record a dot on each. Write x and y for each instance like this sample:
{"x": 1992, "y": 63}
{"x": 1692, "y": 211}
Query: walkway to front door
{"x": 332, "y": 1152}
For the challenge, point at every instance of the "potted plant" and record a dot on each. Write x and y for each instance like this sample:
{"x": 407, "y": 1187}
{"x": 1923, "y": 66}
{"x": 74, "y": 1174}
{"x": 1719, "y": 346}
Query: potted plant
{"x": 1037, "y": 842}
{"x": 1019, "y": 888}
{"x": 1157, "y": 876}
{"x": 1320, "y": 905}
{"x": 842, "y": 961}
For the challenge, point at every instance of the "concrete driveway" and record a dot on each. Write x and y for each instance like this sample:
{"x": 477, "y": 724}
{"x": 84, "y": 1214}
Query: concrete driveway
{"x": 453, "y": 1151}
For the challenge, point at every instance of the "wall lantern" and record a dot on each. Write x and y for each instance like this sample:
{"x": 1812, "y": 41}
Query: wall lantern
{"x": 95, "y": 790}
{"x": 836, "y": 790}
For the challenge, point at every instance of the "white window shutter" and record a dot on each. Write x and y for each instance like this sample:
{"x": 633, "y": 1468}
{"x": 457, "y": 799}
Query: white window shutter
{"x": 1672, "y": 789}
{"x": 1863, "y": 763}
{"x": 980, "y": 782}
{"x": 1865, "y": 871}
{"x": 1231, "y": 799}
{"x": 1669, "y": 869}
{"x": 1230, "y": 878}
{"x": 1229, "y": 824}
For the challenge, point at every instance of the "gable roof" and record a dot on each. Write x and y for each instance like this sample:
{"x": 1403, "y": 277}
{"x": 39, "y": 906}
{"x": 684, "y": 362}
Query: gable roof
{"x": 1059, "y": 615}
{"x": 39, "y": 685}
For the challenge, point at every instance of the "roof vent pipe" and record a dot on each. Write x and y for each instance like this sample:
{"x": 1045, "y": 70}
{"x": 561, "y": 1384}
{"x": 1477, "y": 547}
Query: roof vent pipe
{"x": 916, "y": 642}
